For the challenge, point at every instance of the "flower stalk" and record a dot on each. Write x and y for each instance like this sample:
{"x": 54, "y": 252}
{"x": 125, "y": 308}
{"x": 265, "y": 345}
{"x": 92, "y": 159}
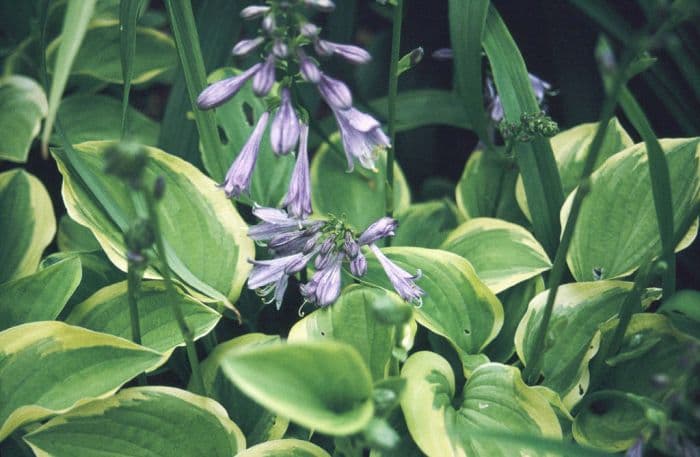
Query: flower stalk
{"x": 393, "y": 93}
{"x": 133, "y": 287}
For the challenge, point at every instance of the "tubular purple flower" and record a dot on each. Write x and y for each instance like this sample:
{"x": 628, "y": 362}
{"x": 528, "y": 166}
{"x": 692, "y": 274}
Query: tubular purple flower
{"x": 269, "y": 24}
{"x": 495, "y": 107}
{"x": 443, "y": 54}
{"x": 243, "y": 47}
{"x": 401, "y": 280}
{"x": 277, "y": 222}
{"x": 335, "y": 93}
{"x": 265, "y": 77}
{"x": 539, "y": 86}
{"x": 322, "y": 5}
{"x": 352, "y": 249}
{"x": 221, "y": 91}
{"x": 354, "y": 54}
{"x": 280, "y": 49}
{"x": 269, "y": 271}
{"x": 309, "y": 70}
{"x": 358, "y": 265}
{"x": 285, "y": 130}
{"x": 362, "y": 136}
{"x": 324, "y": 287}
{"x": 254, "y": 11}
{"x": 309, "y": 30}
{"x": 380, "y": 229}
{"x": 238, "y": 176}
{"x": 289, "y": 243}
{"x": 298, "y": 198}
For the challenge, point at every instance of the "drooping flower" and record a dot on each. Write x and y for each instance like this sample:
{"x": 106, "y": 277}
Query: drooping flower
{"x": 362, "y": 137}
{"x": 351, "y": 53}
{"x": 443, "y": 54}
{"x": 264, "y": 79}
{"x": 298, "y": 198}
{"x": 221, "y": 91}
{"x": 309, "y": 70}
{"x": 324, "y": 287}
{"x": 322, "y": 5}
{"x": 238, "y": 177}
{"x": 382, "y": 228}
{"x": 276, "y": 222}
{"x": 540, "y": 87}
{"x": 273, "y": 275}
{"x": 402, "y": 281}
{"x": 243, "y": 47}
{"x": 358, "y": 265}
{"x": 285, "y": 130}
{"x": 335, "y": 93}
{"x": 254, "y": 11}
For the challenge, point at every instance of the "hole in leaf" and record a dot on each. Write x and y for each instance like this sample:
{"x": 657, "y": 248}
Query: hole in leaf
{"x": 599, "y": 407}
{"x": 581, "y": 391}
{"x": 323, "y": 333}
{"x": 222, "y": 135}
{"x": 467, "y": 331}
{"x": 248, "y": 113}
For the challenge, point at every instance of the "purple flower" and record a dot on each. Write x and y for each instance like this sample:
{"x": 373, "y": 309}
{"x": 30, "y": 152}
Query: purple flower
{"x": 322, "y": 5}
{"x": 309, "y": 30}
{"x": 265, "y": 78}
{"x": 243, "y": 47}
{"x": 335, "y": 93}
{"x": 238, "y": 176}
{"x": 280, "y": 49}
{"x": 269, "y": 24}
{"x": 350, "y": 246}
{"x": 255, "y": 11}
{"x": 221, "y": 91}
{"x": 298, "y": 198}
{"x": 308, "y": 68}
{"x": 443, "y": 54}
{"x": 354, "y": 54}
{"x": 274, "y": 274}
{"x": 495, "y": 107}
{"x": 539, "y": 86}
{"x": 358, "y": 265}
{"x": 284, "y": 132}
{"x": 324, "y": 286}
{"x": 380, "y": 229}
{"x": 277, "y": 222}
{"x": 362, "y": 136}
{"x": 402, "y": 281}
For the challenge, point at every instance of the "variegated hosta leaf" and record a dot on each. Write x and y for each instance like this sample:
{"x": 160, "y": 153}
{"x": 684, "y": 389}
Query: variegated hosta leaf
{"x": 352, "y": 320}
{"x": 285, "y": 448}
{"x": 502, "y": 253}
{"x": 617, "y": 226}
{"x": 205, "y": 237}
{"x": 27, "y": 224}
{"x": 141, "y": 422}
{"x": 456, "y": 304}
{"x": 257, "y": 423}
{"x": 651, "y": 347}
{"x": 426, "y": 225}
{"x": 570, "y": 150}
{"x": 324, "y": 386}
{"x": 23, "y": 105}
{"x": 495, "y": 399}
{"x": 573, "y": 334}
{"x": 48, "y": 368}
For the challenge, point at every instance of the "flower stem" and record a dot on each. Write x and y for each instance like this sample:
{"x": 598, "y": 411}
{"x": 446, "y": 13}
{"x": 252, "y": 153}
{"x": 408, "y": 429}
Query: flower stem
{"x": 133, "y": 286}
{"x": 393, "y": 92}
{"x": 187, "y": 334}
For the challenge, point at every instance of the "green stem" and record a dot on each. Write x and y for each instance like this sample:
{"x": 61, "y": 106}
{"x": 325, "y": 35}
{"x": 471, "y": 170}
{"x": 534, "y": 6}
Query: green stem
{"x": 128, "y": 15}
{"x": 133, "y": 286}
{"x": 187, "y": 334}
{"x": 532, "y": 369}
{"x": 393, "y": 92}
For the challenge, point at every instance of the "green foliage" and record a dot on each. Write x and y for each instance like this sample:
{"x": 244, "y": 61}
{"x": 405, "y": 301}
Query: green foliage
{"x": 23, "y": 105}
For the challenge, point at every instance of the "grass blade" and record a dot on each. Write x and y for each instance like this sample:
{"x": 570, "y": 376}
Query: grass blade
{"x": 128, "y": 15}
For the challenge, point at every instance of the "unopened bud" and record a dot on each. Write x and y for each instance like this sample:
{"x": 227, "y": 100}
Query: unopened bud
{"x": 159, "y": 188}
{"x": 127, "y": 161}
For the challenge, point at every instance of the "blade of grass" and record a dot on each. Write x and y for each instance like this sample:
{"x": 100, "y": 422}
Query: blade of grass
{"x": 467, "y": 21}
{"x": 192, "y": 63}
{"x": 535, "y": 159}
{"x": 128, "y": 15}
{"x": 75, "y": 22}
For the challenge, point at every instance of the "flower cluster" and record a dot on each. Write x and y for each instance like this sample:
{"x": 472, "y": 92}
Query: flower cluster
{"x": 330, "y": 244}
{"x": 286, "y": 37}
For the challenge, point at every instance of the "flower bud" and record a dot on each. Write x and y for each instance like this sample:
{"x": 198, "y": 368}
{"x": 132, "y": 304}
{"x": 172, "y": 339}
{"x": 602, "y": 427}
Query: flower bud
{"x": 254, "y": 11}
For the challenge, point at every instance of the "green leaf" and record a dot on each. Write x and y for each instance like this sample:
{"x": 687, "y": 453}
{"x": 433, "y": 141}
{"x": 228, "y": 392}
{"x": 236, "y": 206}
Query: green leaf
{"x": 419, "y": 108}
{"x": 73, "y": 237}
{"x": 23, "y": 105}
{"x": 617, "y": 226}
{"x": 515, "y": 301}
{"x": 39, "y": 297}
{"x": 651, "y": 347}
{"x": 456, "y": 305}
{"x": 351, "y": 320}
{"x": 426, "y": 225}
{"x": 360, "y": 195}
{"x": 503, "y": 254}
{"x": 570, "y": 148}
{"x": 27, "y": 224}
{"x": 158, "y": 421}
{"x": 257, "y": 423}
{"x": 237, "y": 119}
{"x": 683, "y": 310}
{"x": 129, "y": 11}
{"x": 324, "y": 386}
{"x": 97, "y": 117}
{"x": 486, "y": 188}
{"x": 285, "y": 448}
{"x": 191, "y": 206}
{"x": 107, "y": 311}
{"x": 75, "y": 23}
{"x": 99, "y": 56}
{"x": 535, "y": 159}
{"x": 573, "y": 334}
{"x": 495, "y": 399}
{"x": 48, "y": 368}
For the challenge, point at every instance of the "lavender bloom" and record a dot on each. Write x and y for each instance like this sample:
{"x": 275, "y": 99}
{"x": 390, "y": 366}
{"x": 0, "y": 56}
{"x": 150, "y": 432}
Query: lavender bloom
{"x": 402, "y": 281}
{"x": 539, "y": 86}
{"x": 277, "y": 222}
{"x": 322, "y": 5}
{"x": 350, "y": 246}
{"x": 362, "y": 136}
{"x": 354, "y": 54}
{"x": 238, "y": 176}
{"x": 269, "y": 24}
{"x": 265, "y": 78}
{"x": 309, "y": 30}
{"x": 280, "y": 49}
{"x": 443, "y": 54}
{"x": 358, "y": 265}
{"x": 380, "y": 229}
{"x": 243, "y": 47}
{"x": 324, "y": 287}
{"x": 298, "y": 198}
{"x": 309, "y": 70}
{"x": 275, "y": 271}
{"x": 335, "y": 93}
{"x": 495, "y": 107}
{"x": 284, "y": 132}
{"x": 221, "y": 91}
{"x": 255, "y": 11}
